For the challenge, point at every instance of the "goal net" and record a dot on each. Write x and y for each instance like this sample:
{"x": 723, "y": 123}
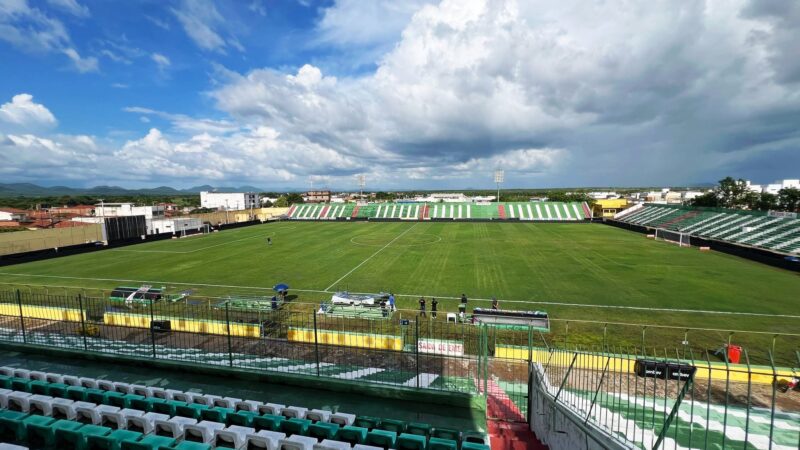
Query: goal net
{"x": 675, "y": 237}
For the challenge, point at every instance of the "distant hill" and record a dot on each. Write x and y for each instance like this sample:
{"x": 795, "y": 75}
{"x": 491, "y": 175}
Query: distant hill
{"x": 33, "y": 190}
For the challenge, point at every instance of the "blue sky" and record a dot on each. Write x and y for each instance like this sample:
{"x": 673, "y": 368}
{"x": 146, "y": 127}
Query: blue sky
{"x": 414, "y": 94}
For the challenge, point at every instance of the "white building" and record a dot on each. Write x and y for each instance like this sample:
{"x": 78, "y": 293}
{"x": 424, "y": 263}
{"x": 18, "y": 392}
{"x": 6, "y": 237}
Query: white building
{"x": 128, "y": 209}
{"x": 176, "y": 225}
{"x": 690, "y": 195}
{"x": 601, "y": 195}
{"x": 774, "y": 188}
{"x": 229, "y": 200}
{"x": 12, "y": 214}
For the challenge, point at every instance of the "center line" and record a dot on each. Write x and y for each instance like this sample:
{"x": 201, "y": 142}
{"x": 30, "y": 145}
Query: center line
{"x": 370, "y": 257}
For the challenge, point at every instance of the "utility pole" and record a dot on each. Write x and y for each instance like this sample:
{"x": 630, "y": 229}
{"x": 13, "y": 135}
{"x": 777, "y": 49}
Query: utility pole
{"x": 499, "y": 177}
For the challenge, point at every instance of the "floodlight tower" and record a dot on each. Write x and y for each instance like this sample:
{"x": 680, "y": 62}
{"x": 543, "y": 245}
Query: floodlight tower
{"x": 499, "y": 177}
{"x": 362, "y": 181}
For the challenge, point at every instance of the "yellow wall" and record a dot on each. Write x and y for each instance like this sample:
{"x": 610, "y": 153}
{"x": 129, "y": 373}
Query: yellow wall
{"x": 261, "y": 214}
{"x": 186, "y": 325}
{"x": 42, "y": 312}
{"x": 717, "y": 371}
{"x": 609, "y": 206}
{"x": 345, "y": 339}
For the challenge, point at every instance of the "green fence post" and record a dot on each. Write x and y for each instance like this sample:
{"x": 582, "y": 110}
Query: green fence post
{"x": 21, "y": 316}
{"x": 83, "y": 322}
{"x": 316, "y": 342}
{"x": 152, "y": 332}
{"x": 228, "y": 326}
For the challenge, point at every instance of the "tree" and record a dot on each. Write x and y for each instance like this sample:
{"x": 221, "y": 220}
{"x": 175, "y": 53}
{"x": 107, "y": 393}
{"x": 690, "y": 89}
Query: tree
{"x": 267, "y": 204}
{"x": 789, "y": 199}
{"x": 709, "y": 199}
{"x": 762, "y": 202}
{"x": 281, "y": 202}
{"x": 732, "y": 193}
{"x": 294, "y": 198}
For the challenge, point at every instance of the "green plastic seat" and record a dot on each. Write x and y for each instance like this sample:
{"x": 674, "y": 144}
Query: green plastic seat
{"x": 477, "y": 437}
{"x": 295, "y": 426}
{"x": 323, "y": 430}
{"x": 381, "y": 438}
{"x": 149, "y": 442}
{"x": 5, "y": 382}
{"x": 146, "y": 404}
{"x": 77, "y": 438}
{"x": 192, "y": 410}
{"x": 474, "y": 446}
{"x": 352, "y": 435}
{"x": 241, "y": 418}
{"x": 188, "y": 445}
{"x": 268, "y": 422}
{"x": 95, "y": 395}
{"x": 169, "y": 407}
{"x": 113, "y": 398}
{"x": 216, "y": 414}
{"x": 420, "y": 428}
{"x": 12, "y": 425}
{"x": 411, "y": 442}
{"x": 77, "y": 393}
{"x": 398, "y": 426}
{"x": 20, "y": 384}
{"x": 43, "y": 434}
{"x": 367, "y": 422}
{"x": 112, "y": 441}
{"x": 435, "y": 443}
{"x": 124, "y": 401}
{"x": 57, "y": 390}
{"x": 39, "y": 387}
{"x": 446, "y": 433}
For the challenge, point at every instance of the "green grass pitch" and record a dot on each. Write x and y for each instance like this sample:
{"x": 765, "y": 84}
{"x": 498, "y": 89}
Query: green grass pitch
{"x": 566, "y": 268}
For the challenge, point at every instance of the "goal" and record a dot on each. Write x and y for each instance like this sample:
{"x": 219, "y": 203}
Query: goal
{"x": 675, "y": 237}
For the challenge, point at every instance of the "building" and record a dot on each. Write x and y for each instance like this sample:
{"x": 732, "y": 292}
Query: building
{"x": 229, "y": 200}
{"x": 317, "y": 197}
{"x": 598, "y": 195}
{"x": 13, "y": 214}
{"x": 607, "y": 207}
{"x": 774, "y": 188}
{"x": 129, "y": 209}
{"x": 77, "y": 210}
{"x": 174, "y": 226}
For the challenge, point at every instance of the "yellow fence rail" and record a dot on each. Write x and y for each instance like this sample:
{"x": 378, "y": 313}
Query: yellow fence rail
{"x": 346, "y": 339}
{"x": 186, "y": 325}
{"x": 42, "y": 312}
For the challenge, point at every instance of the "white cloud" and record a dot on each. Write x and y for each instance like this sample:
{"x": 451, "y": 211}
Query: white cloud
{"x": 24, "y": 112}
{"x": 70, "y": 6}
{"x": 161, "y": 61}
{"x": 200, "y": 19}
{"x": 82, "y": 64}
{"x": 258, "y": 7}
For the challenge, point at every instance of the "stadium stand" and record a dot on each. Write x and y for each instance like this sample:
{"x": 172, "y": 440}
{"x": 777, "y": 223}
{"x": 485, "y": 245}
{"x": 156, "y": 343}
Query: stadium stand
{"x": 535, "y": 211}
{"x": 50, "y": 410}
{"x": 751, "y": 228}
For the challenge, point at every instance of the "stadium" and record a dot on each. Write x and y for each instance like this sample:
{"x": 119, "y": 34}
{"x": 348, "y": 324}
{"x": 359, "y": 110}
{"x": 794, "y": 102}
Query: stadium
{"x": 572, "y": 349}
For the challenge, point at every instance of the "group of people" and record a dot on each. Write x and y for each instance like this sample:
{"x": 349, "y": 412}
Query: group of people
{"x": 462, "y": 307}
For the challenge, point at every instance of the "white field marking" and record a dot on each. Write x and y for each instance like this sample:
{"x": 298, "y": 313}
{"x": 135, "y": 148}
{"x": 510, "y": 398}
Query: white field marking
{"x": 354, "y": 241}
{"x": 371, "y": 256}
{"x": 270, "y": 234}
{"x": 487, "y": 300}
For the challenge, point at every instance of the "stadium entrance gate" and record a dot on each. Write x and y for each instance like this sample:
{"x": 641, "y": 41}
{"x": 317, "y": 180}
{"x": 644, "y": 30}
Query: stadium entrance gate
{"x": 505, "y": 381}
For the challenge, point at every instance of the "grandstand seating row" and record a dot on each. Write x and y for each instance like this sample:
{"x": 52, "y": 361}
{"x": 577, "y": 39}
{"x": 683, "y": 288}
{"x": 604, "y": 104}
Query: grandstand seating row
{"x": 752, "y": 228}
{"x": 544, "y": 211}
{"x": 50, "y": 410}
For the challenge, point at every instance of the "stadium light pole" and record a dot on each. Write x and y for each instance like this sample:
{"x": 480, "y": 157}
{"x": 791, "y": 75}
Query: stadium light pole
{"x": 499, "y": 177}
{"x": 362, "y": 181}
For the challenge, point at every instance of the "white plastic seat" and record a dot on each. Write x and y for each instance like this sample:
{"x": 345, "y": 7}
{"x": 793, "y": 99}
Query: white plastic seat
{"x": 119, "y": 419}
{"x": 4, "y": 397}
{"x": 166, "y": 394}
{"x": 294, "y": 412}
{"x": 235, "y": 436}
{"x": 173, "y": 427}
{"x": 226, "y": 402}
{"x": 69, "y": 411}
{"x": 93, "y": 415}
{"x": 187, "y": 397}
{"x": 202, "y": 432}
{"x": 41, "y": 405}
{"x": 37, "y": 375}
{"x": 268, "y": 440}
{"x": 271, "y": 408}
{"x": 22, "y": 373}
{"x": 89, "y": 383}
{"x": 248, "y": 405}
{"x": 297, "y": 442}
{"x": 105, "y": 385}
{"x": 71, "y": 380}
{"x": 343, "y": 419}
{"x": 144, "y": 391}
{"x": 51, "y": 377}
{"x": 4, "y": 446}
{"x": 329, "y": 444}
{"x": 206, "y": 399}
{"x": 318, "y": 415}
{"x": 365, "y": 447}
{"x": 123, "y": 388}
{"x": 145, "y": 423}
{"x": 7, "y": 371}
{"x": 18, "y": 401}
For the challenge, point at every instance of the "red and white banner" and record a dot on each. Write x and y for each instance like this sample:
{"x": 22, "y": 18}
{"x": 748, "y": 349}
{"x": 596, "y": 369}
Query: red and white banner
{"x": 440, "y": 347}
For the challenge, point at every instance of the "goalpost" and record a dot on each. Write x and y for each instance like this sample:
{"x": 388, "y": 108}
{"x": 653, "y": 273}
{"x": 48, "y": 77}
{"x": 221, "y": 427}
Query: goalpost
{"x": 675, "y": 237}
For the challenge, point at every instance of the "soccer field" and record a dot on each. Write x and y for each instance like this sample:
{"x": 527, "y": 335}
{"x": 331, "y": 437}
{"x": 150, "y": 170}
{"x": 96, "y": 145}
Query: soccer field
{"x": 573, "y": 271}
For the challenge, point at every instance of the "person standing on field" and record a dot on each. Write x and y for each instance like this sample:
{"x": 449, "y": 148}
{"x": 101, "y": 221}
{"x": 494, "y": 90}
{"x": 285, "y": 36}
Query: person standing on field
{"x": 434, "y": 307}
{"x": 422, "y": 306}
{"x": 495, "y": 304}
